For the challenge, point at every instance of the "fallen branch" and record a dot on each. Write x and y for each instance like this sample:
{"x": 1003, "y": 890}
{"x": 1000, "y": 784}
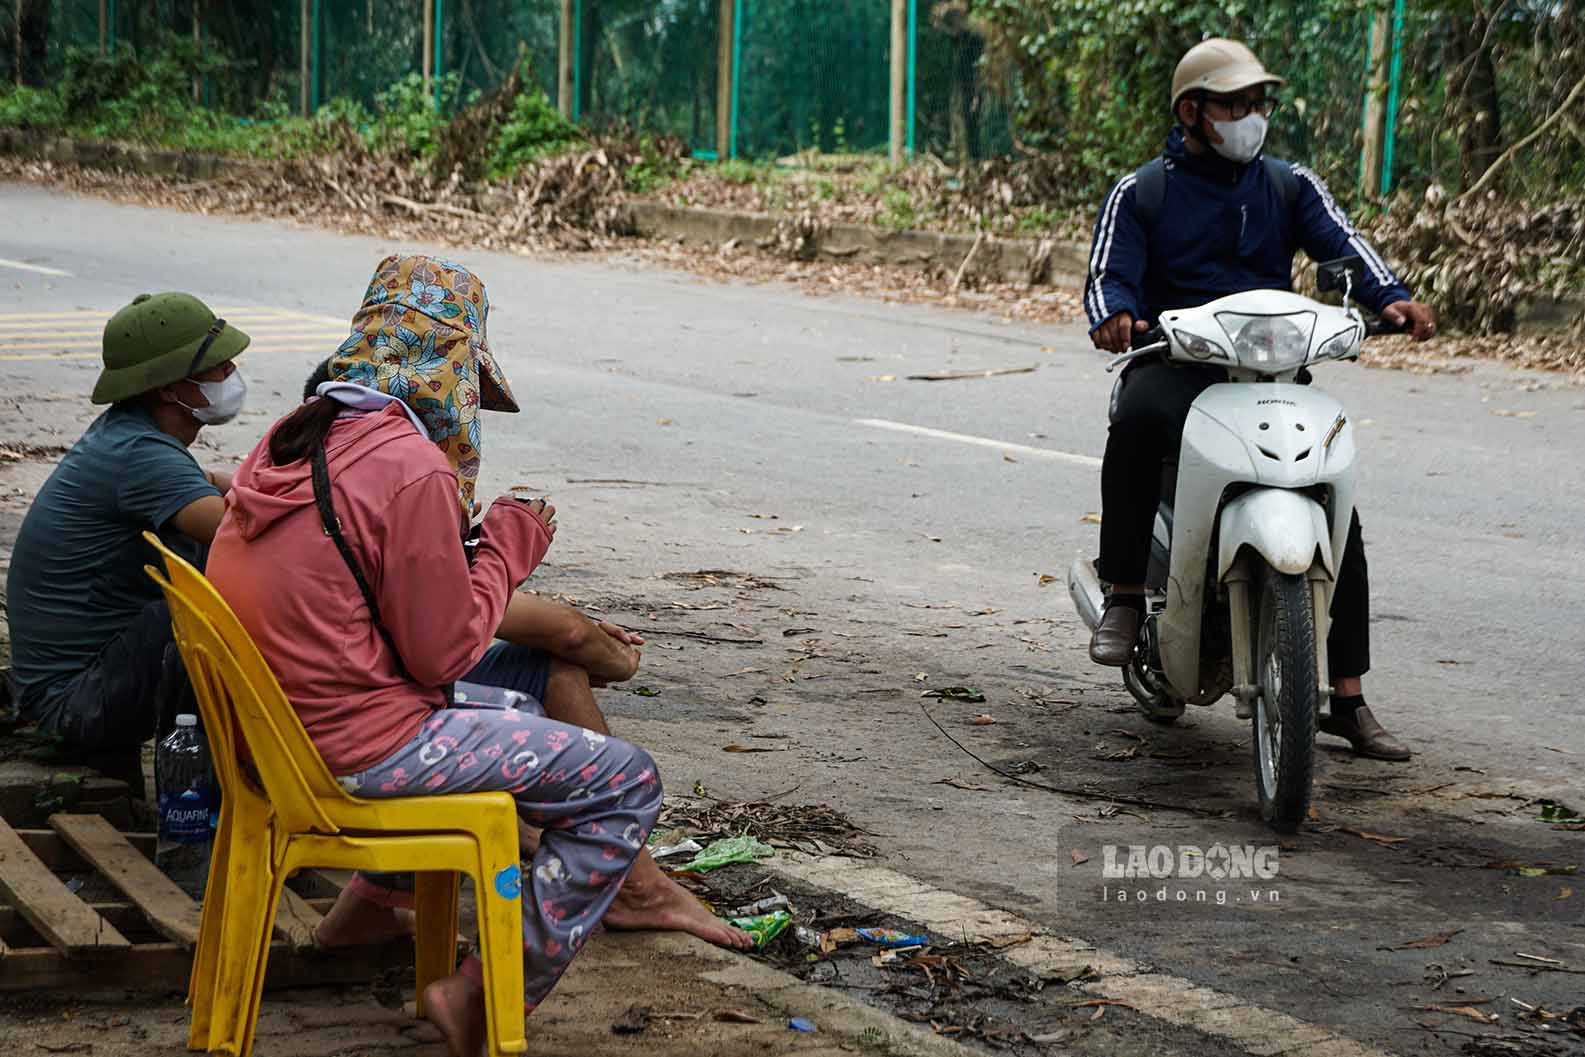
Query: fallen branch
{"x": 959, "y": 376}
{"x": 1538, "y": 967}
{"x": 957, "y": 280}
{"x": 431, "y": 207}
{"x": 701, "y": 636}
{"x": 1084, "y": 794}
{"x": 1507, "y": 155}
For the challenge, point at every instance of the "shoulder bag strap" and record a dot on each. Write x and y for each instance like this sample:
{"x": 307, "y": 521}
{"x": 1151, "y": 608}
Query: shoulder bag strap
{"x": 332, "y": 526}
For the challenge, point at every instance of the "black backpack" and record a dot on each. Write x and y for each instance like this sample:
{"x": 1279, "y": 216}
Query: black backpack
{"x": 1150, "y": 188}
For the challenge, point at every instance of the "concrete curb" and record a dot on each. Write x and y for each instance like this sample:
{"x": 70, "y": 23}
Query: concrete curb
{"x": 64, "y": 150}
{"x": 1035, "y": 261}
{"x": 839, "y": 1016}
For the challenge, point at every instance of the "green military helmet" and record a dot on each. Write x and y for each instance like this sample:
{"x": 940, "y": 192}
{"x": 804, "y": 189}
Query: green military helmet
{"x": 159, "y": 339}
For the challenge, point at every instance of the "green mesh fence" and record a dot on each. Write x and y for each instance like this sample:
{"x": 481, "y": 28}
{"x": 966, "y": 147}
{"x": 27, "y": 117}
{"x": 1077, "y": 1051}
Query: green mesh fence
{"x": 650, "y": 66}
{"x": 815, "y": 74}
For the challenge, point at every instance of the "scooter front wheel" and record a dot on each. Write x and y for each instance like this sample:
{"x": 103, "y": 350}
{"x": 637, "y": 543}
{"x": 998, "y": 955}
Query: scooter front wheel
{"x": 1285, "y": 713}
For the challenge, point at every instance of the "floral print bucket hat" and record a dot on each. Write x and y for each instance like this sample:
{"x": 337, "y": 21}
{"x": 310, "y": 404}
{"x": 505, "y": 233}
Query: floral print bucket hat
{"x": 420, "y": 337}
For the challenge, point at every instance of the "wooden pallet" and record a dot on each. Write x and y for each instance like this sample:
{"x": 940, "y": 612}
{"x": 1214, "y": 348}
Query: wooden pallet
{"x": 142, "y": 940}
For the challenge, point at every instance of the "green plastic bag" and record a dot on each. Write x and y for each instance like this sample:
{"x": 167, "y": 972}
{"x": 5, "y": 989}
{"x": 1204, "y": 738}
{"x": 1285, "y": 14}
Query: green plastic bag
{"x": 730, "y": 850}
{"x": 763, "y": 927}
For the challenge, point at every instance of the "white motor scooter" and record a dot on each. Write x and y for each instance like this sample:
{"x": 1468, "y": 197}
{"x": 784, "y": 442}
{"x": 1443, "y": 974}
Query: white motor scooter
{"x": 1248, "y": 540}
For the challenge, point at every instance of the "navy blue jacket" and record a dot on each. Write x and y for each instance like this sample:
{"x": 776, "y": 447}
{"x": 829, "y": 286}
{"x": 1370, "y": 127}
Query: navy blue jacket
{"x": 1222, "y": 230}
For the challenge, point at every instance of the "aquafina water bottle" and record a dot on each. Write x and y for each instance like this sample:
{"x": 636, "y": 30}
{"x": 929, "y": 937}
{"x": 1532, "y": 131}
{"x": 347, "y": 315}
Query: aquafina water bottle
{"x": 189, "y": 805}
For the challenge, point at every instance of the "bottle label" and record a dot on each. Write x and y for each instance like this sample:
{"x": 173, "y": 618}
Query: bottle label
{"x": 184, "y": 816}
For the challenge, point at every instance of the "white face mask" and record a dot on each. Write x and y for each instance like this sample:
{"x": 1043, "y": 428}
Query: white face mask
{"x": 225, "y": 399}
{"x": 1241, "y": 139}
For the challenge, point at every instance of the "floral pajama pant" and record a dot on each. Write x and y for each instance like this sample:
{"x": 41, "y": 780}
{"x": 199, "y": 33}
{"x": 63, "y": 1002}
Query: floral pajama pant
{"x": 595, "y": 797}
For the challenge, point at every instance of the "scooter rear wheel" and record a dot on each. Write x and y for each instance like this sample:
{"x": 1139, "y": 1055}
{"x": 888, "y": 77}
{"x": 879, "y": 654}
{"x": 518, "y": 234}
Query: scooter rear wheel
{"x": 1285, "y": 712}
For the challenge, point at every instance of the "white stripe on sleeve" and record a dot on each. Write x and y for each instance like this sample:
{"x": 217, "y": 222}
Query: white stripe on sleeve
{"x": 1101, "y": 252}
{"x": 1378, "y": 268}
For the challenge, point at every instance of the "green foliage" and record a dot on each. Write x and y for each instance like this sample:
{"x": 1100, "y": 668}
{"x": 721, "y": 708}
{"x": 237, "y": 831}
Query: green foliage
{"x": 1089, "y": 79}
{"x": 899, "y": 213}
{"x": 25, "y": 107}
{"x": 532, "y": 130}
{"x": 737, "y": 171}
{"x": 660, "y": 162}
{"x": 406, "y": 119}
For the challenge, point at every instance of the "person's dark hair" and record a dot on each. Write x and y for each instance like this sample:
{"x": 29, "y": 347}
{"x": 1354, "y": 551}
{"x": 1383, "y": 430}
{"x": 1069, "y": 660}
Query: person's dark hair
{"x": 320, "y": 376}
{"x": 306, "y": 428}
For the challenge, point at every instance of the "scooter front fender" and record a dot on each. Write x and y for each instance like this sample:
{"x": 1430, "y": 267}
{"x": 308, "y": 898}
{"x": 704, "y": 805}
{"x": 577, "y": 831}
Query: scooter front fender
{"x": 1288, "y": 529}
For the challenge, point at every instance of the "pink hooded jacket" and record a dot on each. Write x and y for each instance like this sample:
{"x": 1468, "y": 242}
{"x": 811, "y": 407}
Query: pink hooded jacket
{"x": 396, "y": 496}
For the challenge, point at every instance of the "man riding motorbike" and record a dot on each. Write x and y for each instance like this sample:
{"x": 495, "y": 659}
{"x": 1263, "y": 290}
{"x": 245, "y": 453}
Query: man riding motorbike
{"x": 1214, "y": 216}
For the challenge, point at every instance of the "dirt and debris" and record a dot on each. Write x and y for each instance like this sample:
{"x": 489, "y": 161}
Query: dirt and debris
{"x": 814, "y": 828}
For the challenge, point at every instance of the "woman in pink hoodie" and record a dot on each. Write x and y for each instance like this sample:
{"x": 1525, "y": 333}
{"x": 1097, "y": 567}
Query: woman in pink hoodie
{"x": 361, "y": 595}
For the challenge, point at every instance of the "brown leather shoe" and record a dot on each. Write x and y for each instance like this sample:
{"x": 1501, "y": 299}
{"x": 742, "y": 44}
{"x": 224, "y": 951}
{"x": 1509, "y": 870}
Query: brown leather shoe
{"x": 1113, "y": 641}
{"x": 1368, "y": 737}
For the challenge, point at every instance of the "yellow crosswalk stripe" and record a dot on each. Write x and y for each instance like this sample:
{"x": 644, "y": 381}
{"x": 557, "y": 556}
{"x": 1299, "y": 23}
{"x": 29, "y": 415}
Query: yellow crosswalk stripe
{"x": 41, "y": 331}
{"x": 320, "y": 349}
{"x": 235, "y": 314}
{"x": 76, "y": 335}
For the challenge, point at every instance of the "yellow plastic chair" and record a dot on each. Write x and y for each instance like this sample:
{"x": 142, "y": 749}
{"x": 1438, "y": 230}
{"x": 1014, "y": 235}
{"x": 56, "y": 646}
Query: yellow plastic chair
{"x": 301, "y": 817}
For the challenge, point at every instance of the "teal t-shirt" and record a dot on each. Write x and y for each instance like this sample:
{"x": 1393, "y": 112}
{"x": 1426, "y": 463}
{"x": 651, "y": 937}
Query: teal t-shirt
{"x": 77, "y": 578}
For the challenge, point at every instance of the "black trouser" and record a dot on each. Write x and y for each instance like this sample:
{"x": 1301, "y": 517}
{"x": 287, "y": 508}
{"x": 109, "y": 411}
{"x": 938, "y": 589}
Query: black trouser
{"x": 116, "y": 702}
{"x": 1147, "y": 427}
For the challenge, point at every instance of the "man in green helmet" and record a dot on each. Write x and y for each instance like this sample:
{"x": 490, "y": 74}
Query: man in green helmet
{"x": 90, "y": 636}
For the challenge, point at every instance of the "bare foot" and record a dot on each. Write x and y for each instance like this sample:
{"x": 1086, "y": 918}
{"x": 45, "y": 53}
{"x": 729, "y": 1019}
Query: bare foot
{"x": 455, "y": 1005}
{"x": 651, "y": 900}
{"x": 354, "y": 920}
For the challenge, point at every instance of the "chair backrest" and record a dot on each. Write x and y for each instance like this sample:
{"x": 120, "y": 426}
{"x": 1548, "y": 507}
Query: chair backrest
{"x": 240, "y": 697}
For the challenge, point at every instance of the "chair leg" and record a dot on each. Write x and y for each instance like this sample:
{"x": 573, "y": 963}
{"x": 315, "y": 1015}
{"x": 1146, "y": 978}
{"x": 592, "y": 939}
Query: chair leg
{"x": 249, "y": 1022}
{"x": 501, "y": 944}
{"x": 438, "y": 905}
{"x": 201, "y": 982}
{"x": 245, "y": 925}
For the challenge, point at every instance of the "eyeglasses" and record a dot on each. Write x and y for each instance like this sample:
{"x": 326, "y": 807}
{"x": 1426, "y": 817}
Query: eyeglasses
{"x": 1239, "y": 108}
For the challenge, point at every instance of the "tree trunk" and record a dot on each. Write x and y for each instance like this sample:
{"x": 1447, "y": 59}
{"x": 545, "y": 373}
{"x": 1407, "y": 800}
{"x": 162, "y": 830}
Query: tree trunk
{"x": 966, "y": 48}
{"x": 593, "y": 29}
{"x": 1472, "y": 95}
{"x": 32, "y": 42}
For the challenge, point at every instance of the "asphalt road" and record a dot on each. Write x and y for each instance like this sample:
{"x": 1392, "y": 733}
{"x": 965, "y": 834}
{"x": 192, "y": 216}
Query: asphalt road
{"x": 684, "y": 425}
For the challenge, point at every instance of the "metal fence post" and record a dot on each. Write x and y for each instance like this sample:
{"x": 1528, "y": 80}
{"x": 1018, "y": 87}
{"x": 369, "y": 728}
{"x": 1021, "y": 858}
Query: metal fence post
{"x": 440, "y": 47}
{"x": 1392, "y": 98}
{"x": 737, "y": 72}
{"x": 564, "y": 47}
{"x": 913, "y": 50}
{"x": 723, "y": 78}
{"x": 313, "y": 98}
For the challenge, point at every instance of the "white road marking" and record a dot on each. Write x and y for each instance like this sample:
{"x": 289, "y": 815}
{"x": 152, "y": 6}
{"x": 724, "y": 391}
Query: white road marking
{"x": 983, "y": 442}
{"x": 23, "y": 266}
{"x": 1246, "y": 1026}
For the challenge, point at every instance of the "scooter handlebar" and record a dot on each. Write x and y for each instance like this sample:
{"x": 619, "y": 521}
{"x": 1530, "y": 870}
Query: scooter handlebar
{"x": 1378, "y": 327}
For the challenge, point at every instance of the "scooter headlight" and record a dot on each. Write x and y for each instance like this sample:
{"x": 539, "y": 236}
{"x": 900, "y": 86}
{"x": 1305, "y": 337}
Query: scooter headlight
{"x": 1340, "y": 346}
{"x": 1198, "y": 347}
{"x": 1271, "y": 343}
